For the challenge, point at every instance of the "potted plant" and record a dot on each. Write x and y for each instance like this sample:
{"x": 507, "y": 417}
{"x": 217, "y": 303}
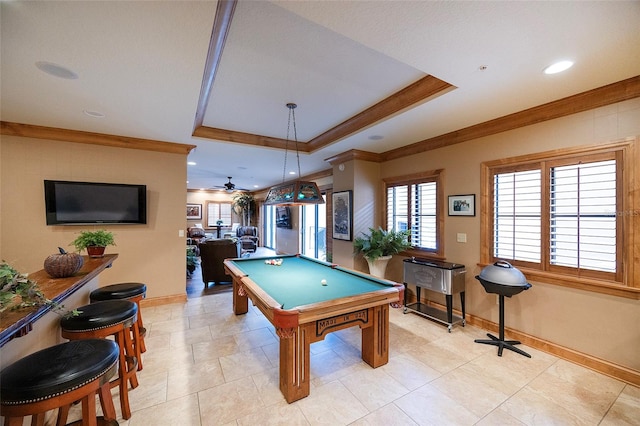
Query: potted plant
{"x": 378, "y": 246}
{"x": 243, "y": 202}
{"x": 192, "y": 260}
{"x": 94, "y": 241}
{"x": 18, "y": 291}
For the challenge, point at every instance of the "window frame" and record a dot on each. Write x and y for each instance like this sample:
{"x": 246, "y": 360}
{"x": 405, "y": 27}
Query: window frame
{"x": 436, "y": 176}
{"x": 625, "y": 282}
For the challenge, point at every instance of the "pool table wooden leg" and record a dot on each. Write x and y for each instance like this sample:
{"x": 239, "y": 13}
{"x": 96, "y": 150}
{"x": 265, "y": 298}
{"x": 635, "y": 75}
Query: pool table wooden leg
{"x": 375, "y": 338}
{"x": 240, "y": 301}
{"x": 294, "y": 363}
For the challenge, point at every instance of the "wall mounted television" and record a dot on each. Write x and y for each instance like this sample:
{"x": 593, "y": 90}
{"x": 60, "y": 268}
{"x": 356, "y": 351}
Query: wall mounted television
{"x": 283, "y": 217}
{"x": 82, "y": 203}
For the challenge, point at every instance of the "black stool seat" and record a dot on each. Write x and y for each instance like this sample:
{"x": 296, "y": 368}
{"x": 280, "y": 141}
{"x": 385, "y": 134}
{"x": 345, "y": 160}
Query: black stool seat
{"x": 117, "y": 318}
{"x": 57, "y": 370}
{"x": 134, "y": 292}
{"x": 118, "y": 291}
{"x": 100, "y": 315}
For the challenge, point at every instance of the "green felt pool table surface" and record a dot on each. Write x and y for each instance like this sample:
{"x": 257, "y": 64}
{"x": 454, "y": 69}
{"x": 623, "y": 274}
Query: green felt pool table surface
{"x": 297, "y": 281}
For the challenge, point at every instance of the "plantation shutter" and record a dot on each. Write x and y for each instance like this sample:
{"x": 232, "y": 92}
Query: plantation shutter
{"x": 517, "y": 221}
{"x": 583, "y": 216}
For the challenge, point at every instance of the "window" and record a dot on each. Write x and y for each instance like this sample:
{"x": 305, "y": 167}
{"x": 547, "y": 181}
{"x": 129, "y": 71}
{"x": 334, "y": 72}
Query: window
{"x": 218, "y": 211}
{"x": 415, "y": 203}
{"x": 313, "y": 236}
{"x": 583, "y": 218}
{"x": 558, "y": 215}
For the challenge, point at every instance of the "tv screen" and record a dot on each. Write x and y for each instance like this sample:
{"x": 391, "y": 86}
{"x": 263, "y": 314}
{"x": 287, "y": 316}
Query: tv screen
{"x": 283, "y": 217}
{"x": 77, "y": 203}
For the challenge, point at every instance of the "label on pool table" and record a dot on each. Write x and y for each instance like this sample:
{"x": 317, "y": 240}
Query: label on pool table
{"x": 328, "y": 323}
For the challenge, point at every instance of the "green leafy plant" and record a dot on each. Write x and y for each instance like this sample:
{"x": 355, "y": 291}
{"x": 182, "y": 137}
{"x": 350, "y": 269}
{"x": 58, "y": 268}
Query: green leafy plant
{"x": 243, "y": 203}
{"x": 18, "y": 291}
{"x": 192, "y": 259}
{"x": 380, "y": 243}
{"x": 100, "y": 238}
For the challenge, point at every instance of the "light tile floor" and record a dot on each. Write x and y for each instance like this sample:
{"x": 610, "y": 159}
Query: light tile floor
{"x": 206, "y": 366}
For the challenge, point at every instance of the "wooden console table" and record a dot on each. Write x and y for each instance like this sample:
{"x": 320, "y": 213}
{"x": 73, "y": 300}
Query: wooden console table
{"x": 19, "y": 322}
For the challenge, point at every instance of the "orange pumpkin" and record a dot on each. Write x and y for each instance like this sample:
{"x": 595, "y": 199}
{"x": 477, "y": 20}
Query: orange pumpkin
{"x": 63, "y": 264}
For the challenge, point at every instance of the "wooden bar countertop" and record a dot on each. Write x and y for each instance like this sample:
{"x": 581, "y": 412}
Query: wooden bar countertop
{"x": 18, "y": 322}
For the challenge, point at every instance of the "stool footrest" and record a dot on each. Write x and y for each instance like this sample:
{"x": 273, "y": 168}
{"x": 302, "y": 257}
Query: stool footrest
{"x": 100, "y": 421}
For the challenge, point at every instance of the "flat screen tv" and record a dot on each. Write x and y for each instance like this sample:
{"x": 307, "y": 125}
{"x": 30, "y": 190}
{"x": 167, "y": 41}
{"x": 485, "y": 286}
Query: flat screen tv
{"x": 283, "y": 217}
{"x": 81, "y": 203}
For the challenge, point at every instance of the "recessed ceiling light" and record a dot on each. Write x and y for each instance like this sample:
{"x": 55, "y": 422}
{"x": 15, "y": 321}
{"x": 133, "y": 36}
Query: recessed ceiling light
{"x": 292, "y": 173}
{"x": 375, "y": 137}
{"x": 256, "y": 186}
{"x": 56, "y": 70}
{"x": 93, "y": 114}
{"x": 191, "y": 163}
{"x": 558, "y": 67}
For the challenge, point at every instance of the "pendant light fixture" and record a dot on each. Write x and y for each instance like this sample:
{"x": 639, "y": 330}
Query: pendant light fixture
{"x": 298, "y": 192}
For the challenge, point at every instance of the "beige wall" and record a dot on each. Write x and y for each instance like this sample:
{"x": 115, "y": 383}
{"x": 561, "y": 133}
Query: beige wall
{"x": 153, "y": 253}
{"x": 603, "y": 326}
{"x": 363, "y": 178}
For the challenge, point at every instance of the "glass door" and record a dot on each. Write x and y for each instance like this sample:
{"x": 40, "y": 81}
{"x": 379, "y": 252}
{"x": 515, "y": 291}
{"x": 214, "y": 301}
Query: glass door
{"x": 314, "y": 230}
{"x": 269, "y": 224}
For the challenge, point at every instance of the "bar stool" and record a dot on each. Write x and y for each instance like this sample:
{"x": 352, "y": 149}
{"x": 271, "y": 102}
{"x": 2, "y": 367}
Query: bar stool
{"x": 116, "y": 318}
{"x": 133, "y": 292}
{"x": 58, "y": 376}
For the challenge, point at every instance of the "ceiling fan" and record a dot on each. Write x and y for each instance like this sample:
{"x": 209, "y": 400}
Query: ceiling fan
{"x": 229, "y": 186}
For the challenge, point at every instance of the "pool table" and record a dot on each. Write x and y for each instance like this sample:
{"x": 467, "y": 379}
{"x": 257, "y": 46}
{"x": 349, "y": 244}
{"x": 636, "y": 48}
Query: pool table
{"x": 305, "y": 299}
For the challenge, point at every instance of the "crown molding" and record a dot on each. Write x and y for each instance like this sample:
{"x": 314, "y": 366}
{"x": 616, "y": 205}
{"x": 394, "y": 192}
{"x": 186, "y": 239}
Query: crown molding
{"x": 77, "y": 136}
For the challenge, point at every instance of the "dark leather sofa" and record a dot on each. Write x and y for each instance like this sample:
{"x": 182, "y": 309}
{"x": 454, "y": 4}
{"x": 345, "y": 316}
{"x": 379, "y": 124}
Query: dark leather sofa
{"x": 212, "y": 255}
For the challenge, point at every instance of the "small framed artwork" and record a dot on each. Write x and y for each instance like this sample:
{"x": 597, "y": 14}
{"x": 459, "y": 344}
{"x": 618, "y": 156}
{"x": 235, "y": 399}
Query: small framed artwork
{"x": 462, "y": 205}
{"x": 194, "y": 211}
{"x": 342, "y": 215}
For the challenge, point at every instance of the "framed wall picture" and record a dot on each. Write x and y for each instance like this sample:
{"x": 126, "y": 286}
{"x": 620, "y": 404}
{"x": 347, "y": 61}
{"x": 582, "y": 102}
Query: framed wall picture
{"x": 462, "y": 205}
{"x": 342, "y": 215}
{"x": 194, "y": 211}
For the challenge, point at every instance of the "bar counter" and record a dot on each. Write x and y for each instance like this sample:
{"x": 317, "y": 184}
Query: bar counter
{"x": 17, "y": 323}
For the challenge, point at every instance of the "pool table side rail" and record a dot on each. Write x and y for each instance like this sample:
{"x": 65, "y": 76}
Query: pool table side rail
{"x": 232, "y": 268}
{"x": 286, "y": 318}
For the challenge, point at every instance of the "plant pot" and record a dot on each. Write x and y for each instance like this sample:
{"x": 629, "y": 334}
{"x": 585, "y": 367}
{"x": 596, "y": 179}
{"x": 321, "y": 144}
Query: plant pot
{"x": 379, "y": 266}
{"x": 95, "y": 251}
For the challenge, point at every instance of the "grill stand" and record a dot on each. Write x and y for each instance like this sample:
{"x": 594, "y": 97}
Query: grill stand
{"x": 500, "y": 342}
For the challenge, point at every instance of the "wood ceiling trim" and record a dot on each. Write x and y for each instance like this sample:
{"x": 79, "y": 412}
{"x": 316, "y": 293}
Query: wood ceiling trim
{"x": 245, "y": 138}
{"x": 76, "y": 136}
{"x": 601, "y": 96}
{"x": 354, "y": 154}
{"x": 221, "y": 25}
{"x": 420, "y": 91}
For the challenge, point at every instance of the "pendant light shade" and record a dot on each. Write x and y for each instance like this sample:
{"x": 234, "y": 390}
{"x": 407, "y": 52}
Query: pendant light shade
{"x": 297, "y": 192}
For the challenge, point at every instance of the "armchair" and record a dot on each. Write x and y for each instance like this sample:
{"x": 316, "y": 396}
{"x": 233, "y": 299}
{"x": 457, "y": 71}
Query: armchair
{"x": 196, "y": 234}
{"x": 212, "y": 255}
{"x": 248, "y": 236}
